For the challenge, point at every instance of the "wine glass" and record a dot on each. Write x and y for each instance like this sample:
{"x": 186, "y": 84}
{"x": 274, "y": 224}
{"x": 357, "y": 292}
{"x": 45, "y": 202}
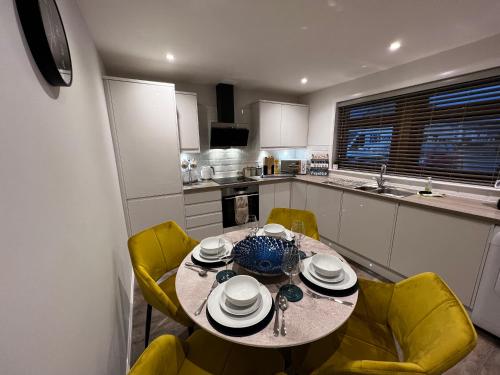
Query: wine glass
{"x": 226, "y": 257}
{"x": 290, "y": 265}
{"x": 253, "y": 225}
{"x": 299, "y": 230}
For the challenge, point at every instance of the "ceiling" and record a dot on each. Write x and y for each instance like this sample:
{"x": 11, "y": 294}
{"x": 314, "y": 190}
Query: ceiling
{"x": 272, "y": 44}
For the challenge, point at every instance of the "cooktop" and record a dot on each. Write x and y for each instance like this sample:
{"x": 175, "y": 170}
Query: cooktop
{"x": 232, "y": 180}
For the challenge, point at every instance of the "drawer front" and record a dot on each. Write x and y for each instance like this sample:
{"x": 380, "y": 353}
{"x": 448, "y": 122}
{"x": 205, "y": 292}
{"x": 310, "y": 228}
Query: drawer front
{"x": 198, "y": 221}
{"x": 200, "y": 233}
{"x": 203, "y": 208}
{"x": 206, "y": 196}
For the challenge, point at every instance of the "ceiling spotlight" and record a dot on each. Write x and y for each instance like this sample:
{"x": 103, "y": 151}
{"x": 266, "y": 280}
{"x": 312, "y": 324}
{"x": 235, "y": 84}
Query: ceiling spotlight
{"x": 364, "y": 66}
{"x": 304, "y": 28}
{"x": 395, "y": 46}
{"x": 170, "y": 57}
{"x": 303, "y": 80}
{"x": 331, "y": 3}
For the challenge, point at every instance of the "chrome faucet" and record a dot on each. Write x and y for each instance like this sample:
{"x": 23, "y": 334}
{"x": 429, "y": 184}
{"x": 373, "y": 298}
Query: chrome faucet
{"x": 381, "y": 179}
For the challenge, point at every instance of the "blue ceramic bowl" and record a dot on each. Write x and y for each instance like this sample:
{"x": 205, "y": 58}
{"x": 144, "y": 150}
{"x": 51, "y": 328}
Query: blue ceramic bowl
{"x": 261, "y": 254}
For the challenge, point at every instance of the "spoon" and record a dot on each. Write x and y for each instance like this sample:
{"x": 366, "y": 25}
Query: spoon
{"x": 200, "y": 272}
{"x": 283, "y": 304}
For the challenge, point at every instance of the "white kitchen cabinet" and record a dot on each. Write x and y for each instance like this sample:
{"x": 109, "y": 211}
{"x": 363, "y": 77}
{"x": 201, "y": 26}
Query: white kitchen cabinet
{"x": 367, "y": 226}
{"x": 203, "y": 214}
{"x": 269, "y": 117}
{"x": 266, "y": 202}
{"x": 298, "y": 195}
{"x": 147, "y": 212}
{"x": 144, "y": 127}
{"x": 450, "y": 245}
{"x": 271, "y": 196}
{"x": 321, "y": 121}
{"x": 294, "y": 125}
{"x": 325, "y": 203}
{"x": 282, "y": 192}
{"x": 187, "y": 119}
{"x": 281, "y": 124}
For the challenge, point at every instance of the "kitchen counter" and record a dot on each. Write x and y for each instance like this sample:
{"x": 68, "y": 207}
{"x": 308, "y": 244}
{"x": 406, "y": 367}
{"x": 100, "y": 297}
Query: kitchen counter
{"x": 453, "y": 203}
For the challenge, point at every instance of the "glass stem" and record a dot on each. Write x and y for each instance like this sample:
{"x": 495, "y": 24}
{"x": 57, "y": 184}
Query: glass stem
{"x": 290, "y": 279}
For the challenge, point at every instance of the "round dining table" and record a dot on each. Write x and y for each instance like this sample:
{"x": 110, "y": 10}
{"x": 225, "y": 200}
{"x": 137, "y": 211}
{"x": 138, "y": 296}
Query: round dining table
{"x": 307, "y": 320}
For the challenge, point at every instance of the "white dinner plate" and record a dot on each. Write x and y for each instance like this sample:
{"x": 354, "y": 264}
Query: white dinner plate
{"x": 288, "y": 234}
{"x": 235, "y": 310}
{"x": 349, "y": 280}
{"x": 232, "y": 321}
{"x": 203, "y": 258}
{"x": 312, "y": 271}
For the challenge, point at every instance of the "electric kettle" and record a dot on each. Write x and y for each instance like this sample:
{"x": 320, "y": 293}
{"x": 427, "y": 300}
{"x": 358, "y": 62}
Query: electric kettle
{"x": 207, "y": 172}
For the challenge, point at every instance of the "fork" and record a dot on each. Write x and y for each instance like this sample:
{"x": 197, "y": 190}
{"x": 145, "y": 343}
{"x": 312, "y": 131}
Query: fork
{"x": 200, "y": 309}
{"x": 318, "y": 296}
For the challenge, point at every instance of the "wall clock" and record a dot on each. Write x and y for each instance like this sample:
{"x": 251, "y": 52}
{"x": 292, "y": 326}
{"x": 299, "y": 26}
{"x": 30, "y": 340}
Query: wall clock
{"x": 44, "y": 32}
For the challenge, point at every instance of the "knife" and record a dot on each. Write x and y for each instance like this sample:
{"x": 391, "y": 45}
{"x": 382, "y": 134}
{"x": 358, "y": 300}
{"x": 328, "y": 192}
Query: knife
{"x": 200, "y": 309}
{"x": 189, "y": 264}
{"x": 276, "y": 329}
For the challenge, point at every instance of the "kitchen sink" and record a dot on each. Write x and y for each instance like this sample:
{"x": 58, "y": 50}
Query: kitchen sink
{"x": 386, "y": 191}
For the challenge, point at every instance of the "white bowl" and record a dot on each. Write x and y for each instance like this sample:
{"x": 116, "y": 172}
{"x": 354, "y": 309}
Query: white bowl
{"x": 327, "y": 265}
{"x": 212, "y": 245}
{"x": 275, "y": 230}
{"x": 242, "y": 290}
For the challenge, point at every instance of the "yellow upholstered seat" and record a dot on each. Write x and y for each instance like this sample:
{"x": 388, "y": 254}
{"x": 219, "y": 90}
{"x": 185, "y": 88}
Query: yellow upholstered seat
{"x": 421, "y": 313}
{"x": 154, "y": 252}
{"x": 204, "y": 354}
{"x": 286, "y": 216}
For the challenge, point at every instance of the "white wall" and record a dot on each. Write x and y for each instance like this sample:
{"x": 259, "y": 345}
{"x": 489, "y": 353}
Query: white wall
{"x": 65, "y": 276}
{"x": 466, "y": 59}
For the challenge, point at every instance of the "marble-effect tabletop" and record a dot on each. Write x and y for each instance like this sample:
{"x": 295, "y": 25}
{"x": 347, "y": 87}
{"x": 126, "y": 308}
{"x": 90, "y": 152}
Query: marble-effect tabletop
{"x": 307, "y": 320}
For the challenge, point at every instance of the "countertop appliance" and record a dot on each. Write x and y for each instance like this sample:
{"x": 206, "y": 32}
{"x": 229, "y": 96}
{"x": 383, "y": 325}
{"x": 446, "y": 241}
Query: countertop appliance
{"x": 487, "y": 305}
{"x": 293, "y": 166}
{"x": 225, "y": 133}
{"x": 229, "y": 195}
{"x": 207, "y": 172}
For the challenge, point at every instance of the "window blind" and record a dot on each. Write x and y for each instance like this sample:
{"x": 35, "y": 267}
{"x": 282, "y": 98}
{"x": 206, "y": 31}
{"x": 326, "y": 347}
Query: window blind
{"x": 450, "y": 133}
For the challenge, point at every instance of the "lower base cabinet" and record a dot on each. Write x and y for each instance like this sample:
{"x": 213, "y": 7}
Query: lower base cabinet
{"x": 367, "y": 226}
{"x": 271, "y": 196}
{"x": 325, "y": 203}
{"x": 298, "y": 196}
{"x": 447, "y": 244}
{"x": 147, "y": 212}
{"x": 203, "y": 214}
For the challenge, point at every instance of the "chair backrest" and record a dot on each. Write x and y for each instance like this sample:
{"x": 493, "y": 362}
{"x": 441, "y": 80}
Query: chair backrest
{"x": 163, "y": 356}
{"x": 430, "y": 324}
{"x": 160, "y": 249}
{"x": 286, "y": 216}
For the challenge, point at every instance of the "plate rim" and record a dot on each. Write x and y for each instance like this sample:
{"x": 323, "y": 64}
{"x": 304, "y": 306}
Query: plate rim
{"x": 314, "y": 274}
{"x": 331, "y": 286}
{"x": 199, "y": 258}
{"x": 260, "y": 298}
{"x": 238, "y": 321}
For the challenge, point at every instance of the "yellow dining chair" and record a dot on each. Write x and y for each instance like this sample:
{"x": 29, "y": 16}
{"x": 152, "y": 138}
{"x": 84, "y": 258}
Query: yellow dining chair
{"x": 154, "y": 252}
{"x": 286, "y": 216}
{"x": 204, "y": 354}
{"x": 430, "y": 324}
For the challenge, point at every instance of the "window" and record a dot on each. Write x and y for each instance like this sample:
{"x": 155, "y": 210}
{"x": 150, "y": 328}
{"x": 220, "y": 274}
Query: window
{"x": 449, "y": 132}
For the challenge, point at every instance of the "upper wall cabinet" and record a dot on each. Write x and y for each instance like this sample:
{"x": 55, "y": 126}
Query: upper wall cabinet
{"x": 144, "y": 129}
{"x": 187, "y": 119}
{"x": 282, "y": 124}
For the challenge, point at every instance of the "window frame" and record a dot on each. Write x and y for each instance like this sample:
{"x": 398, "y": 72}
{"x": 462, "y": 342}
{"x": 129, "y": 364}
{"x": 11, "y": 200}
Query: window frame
{"x": 395, "y": 94}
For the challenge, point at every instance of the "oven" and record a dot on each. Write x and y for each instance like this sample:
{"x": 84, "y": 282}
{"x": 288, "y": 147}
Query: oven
{"x": 229, "y": 195}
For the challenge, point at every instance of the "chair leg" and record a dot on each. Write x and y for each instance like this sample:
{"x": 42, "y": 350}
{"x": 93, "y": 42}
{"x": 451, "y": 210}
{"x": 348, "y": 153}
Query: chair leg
{"x": 148, "y": 324}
